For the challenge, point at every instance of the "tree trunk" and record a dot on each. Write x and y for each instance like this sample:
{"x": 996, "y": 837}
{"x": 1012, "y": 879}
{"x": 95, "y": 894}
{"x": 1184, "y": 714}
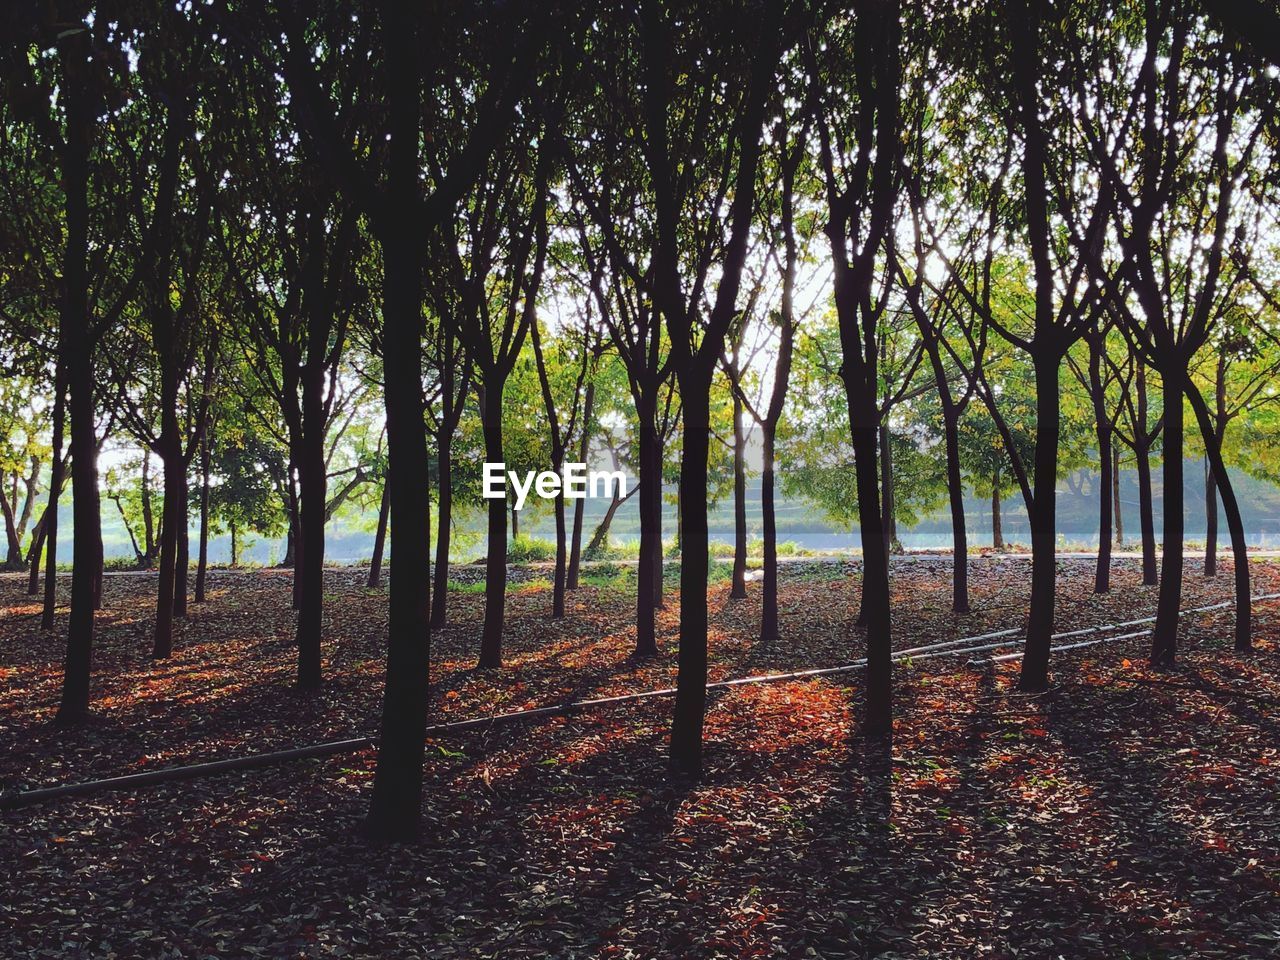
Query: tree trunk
{"x": 769, "y": 633}
{"x": 562, "y": 549}
{"x": 311, "y": 511}
{"x": 1235, "y": 525}
{"x": 738, "y": 589}
{"x": 1115, "y": 498}
{"x": 691, "y": 677}
{"x": 148, "y": 517}
{"x": 1164, "y": 638}
{"x": 99, "y": 558}
{"x": 397, "y": 790}
{"x": 56, "y": 480}
{"x": 202, "y": 564}
{"x": 290, "y": 557}
{"x": 515, "y": 523}
{"x": 1044, "y": 562}
{"x": 1146, "y": 513}
{"x": 380, "y": 543}
{"x": 235, "y": 544}
{"x": 1102, "y": 570}
{"x": 997, "y": 528}
{"x": 298, "y": 534}
{"x": 124, "y": 520}
{"x": 182, "y": 557}
{"x": 955, "y": 496}
{"x": 650, "y": 493}
{"x": 888, "y": 506}
{"x": 35, "y": 553}
{"x": 495, "y": 589}
{"x": 444, "y": 527}
{"x": 580, "y": 505}
{"x": 13, "y": 557}
{"x": 600, "y": 539}
{"x": 874, "y": 610}
{"x": 659, "y": 558}
{"x": 1102, "y": 426}
{"x": 1210, "y": 521}
{"x": 75, "y": 346}
{"x": 32, "y": 484}
{"x": 171, "y": 458}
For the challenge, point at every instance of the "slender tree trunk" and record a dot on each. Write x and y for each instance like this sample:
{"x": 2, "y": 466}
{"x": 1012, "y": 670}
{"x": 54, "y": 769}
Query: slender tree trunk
{"x": 1102, "y": 426}
{"x": 1102, "y": 570}
{"x": 495, "y": 590}
{"x": 888, "y": 506}
{"x": 100, "y": 560}
{"x": 313, "y": 494}
{"x": 51, "y": 574}
{"x": 691, "y": 678}
{"x": 648, "y": 570}
{"x": 162, "y": 640}
{"x": 738, "y": 588}
{"x": 515, "y": 523}
{"x": 235, "y": 544}
{"x": 874, "y": 610}
{"x": 133, "y": 541}
{"x": 769, "y": 632}
{"x": 380, "y": 543}
{"x": 298, "y": 540}
{"x": 75, "y": 346}
{"x": 659, "y": 557}
{"x": 202, "y": 562}
{"x": 55, "y": 492}
{"x": 13, "y": 556}
{"x": 32, "y": 484}
{"x": 1044, "y": 561}
{"x": 444, "y": 527}
{"x": 1210, "y": 521}
{"x": 600, "y": 539}
{"x": 1146, "y": 507}
{"x": 1213, "y": 438}
{"x": 580, "y": 505}
{"x": 182, "y": 558}
{"x": 1115, "y": 498}
{"x": 562, "y": 559}
{"x": 1164, "y": 638}
{"x": 1146, "y": 513}
{"x": 148, "y": 517}
{"x": 290, "y": 557}
{"x": 955, "y": 496}
{"x": 997, "y": 528}
{"x": 35, "y": 553}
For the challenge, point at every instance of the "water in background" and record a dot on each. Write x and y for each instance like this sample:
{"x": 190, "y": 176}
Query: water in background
{"x": 349, "y": 537}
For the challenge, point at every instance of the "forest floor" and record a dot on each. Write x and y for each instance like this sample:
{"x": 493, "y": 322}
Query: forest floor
{"x": 1124, "y": 813}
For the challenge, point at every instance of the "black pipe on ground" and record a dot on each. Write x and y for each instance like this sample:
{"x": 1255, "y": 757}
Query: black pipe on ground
{"x": 16, "y": 800}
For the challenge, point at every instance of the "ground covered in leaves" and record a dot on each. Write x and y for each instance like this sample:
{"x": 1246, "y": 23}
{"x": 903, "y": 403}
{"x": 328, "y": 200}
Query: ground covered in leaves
{"x": 1123, "y": 814}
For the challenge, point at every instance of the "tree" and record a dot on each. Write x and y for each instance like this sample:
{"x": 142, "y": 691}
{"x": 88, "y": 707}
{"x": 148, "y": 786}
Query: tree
{"x": 1202, "y": 109}
{"x": 860, "y": 179}
{"x": 386, "y": 183}
{"x": 292, "y": 251}
{"x": 495, "y": 256}
{"x": 745, "y": 62}
{"x": 560, "y": 372}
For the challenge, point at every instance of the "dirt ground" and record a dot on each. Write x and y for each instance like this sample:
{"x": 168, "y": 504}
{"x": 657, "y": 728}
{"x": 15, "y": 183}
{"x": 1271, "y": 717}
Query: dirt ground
{"x": 1124, "y": 813}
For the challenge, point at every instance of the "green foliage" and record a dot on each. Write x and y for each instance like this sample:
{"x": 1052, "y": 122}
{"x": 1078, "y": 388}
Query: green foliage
{"x": 524, "y": 549}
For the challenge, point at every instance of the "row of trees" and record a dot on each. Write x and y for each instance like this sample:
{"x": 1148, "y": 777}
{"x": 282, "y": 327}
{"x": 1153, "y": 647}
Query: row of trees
{"x": 879, "y": 235}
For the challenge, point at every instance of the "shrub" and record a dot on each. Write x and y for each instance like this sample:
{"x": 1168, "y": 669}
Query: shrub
{"x": 530, "y": 550}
